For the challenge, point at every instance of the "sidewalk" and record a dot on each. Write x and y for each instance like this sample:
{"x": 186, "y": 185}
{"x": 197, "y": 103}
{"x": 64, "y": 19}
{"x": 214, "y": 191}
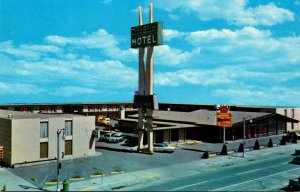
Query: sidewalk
{"x": 120, "y": 181}
{"x": 13, "y": 182}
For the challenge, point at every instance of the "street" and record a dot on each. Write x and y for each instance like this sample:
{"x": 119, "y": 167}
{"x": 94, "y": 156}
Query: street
{"x": 265, "y": 169}
{"x": 270, "y": 173}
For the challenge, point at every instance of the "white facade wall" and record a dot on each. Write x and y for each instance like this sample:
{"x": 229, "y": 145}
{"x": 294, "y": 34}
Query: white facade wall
{"x": 84, "y": 142}
{"x": 21, "y": 137}
{"x": 25, "y": 140}
{"x": 56, "y": 123}
{"x": 292, "y": 113}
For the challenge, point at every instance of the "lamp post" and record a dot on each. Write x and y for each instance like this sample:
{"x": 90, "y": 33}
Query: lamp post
{"x": 58, "y": 165}
{"x": 245, "y": 118}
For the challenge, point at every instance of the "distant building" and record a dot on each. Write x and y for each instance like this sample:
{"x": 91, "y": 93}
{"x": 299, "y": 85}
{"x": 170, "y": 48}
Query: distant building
{"x": 175, "y": 121}
{"x": 170, "y": 126}
{"x": 32, "y": 137}
{"x": 110, "y": 110}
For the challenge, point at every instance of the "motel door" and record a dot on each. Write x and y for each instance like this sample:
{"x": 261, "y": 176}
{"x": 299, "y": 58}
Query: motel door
{"x": 174, "y": 134}
{"x": 159, "y": 136}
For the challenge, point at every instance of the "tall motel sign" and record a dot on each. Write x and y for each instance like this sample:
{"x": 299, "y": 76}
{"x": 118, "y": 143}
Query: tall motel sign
{"x": 142, "y": 37}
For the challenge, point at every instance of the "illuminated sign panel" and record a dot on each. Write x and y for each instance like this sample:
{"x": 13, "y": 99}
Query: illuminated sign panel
{"x": 224, "y": 119}
{"x": 146, "y": 35}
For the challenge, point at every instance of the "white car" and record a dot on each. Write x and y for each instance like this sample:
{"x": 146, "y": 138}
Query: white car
{"x": 163, "y": 147}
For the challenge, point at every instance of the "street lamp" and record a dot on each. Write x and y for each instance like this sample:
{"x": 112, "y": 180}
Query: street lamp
{"x": 245, "y": 118}
{"x": 58, "y": 164}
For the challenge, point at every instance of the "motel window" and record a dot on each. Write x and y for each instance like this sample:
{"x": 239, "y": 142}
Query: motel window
{"x": 68, "y": 147}
{"x": 54, "y": 108}
{"x": 285, "y": 112}
{"x": 68, "y": 126}
{"x": 293, "y": 116}
{"x": 293, "y": 113}
{"x": 44, "y": 150}
{"x": 44, "y": 130}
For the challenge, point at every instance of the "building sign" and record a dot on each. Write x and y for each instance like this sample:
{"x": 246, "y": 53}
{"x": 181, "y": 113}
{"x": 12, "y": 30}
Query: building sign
{"x": 146, "y": 35}
{"x": 224, "y": 119}
{"x": 145, "y": 101}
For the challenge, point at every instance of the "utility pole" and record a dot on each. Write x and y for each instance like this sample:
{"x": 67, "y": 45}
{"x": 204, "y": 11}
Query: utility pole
{"x": 244, "y": 137}
{"x": 58, "y": 166}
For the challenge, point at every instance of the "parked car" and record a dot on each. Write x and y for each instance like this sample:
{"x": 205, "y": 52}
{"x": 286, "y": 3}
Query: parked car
{"x": 163, "y": 147}
{"x": 105, "y": 137}
{"x": 130, "y": 141}
{"x": 296, "y": 160}
{"x": 291, "y": 136}
{"x": 115, "y": 138}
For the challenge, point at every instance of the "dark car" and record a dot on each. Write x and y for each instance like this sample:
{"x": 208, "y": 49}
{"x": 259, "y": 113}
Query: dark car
{"x": 131, "y": 141}
{"x": 291, "y": 137}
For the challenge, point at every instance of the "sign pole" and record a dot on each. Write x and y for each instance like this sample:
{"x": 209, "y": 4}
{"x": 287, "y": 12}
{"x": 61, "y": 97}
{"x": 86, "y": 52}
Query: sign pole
{"x": 141, "y": 89}
{"x": 142, "y": 36}
{"x": 224, "y": 132}
{"x": 149, "y": 89}
{"x": 224, "y": 119}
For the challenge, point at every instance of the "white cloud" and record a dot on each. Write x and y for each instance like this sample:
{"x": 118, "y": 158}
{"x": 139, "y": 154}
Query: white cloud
{"x": 20, "y": 89}
{"x": 269, "y": 15}
{"x": 248, "y": 45}
{"x": 194, "y": 77}
{"x": 169, "y": 34}
{"x": 246, "y": 33}
{"x": 41, "y": 48}
{"x": 109, "y": 46}
{"x": 233, "y": 76}
{"x": 264, "y": 96}
{"x": 83, "y": 71}
{"x": 27, "y": 51}
{"x": 166, "y": 55}
{"x": 100, "y": 39}
{"x": 234, "y": 12}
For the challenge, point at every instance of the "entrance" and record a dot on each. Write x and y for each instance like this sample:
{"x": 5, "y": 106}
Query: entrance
{"x": 174, "y": 135}
{"x": 159, "y": 136}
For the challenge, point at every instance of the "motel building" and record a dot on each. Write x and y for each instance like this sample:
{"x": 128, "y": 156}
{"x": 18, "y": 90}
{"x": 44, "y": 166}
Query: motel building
{"x": 198, "y": 122}
{"x": 32, "y": 137}
{"x": 28, "y": 132}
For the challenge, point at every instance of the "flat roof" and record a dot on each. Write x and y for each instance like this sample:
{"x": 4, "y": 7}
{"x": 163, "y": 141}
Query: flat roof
{"x": 28, "y": 115}
{"x": 208, "y": 117}
{"x": 60, "y": 104}
{"x": 119, "y": 103}
{"x": 169, "y": 125}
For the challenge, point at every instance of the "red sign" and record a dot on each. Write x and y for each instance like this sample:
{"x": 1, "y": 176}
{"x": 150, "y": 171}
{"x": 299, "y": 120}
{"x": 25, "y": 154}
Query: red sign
{"x": 224, "y": 119}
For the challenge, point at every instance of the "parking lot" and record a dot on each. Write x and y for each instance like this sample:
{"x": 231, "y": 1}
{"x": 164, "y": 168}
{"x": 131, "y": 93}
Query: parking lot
{"x": 114, "y": 158}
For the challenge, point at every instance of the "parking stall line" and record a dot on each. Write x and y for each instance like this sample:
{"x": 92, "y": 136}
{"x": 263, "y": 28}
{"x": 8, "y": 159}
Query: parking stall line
{"x": 245, "y": 172}
{"x": 89, "y": 188}
{"x": 186, "y": 186}
{"x": 222, "y": 188}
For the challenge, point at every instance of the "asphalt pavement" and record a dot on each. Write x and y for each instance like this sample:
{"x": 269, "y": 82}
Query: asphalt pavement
{"x": 268, "y": 173}
{"x": 116, "y": 170}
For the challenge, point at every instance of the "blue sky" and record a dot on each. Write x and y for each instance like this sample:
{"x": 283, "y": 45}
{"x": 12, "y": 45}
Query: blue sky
{"x": 240, "y": 52}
